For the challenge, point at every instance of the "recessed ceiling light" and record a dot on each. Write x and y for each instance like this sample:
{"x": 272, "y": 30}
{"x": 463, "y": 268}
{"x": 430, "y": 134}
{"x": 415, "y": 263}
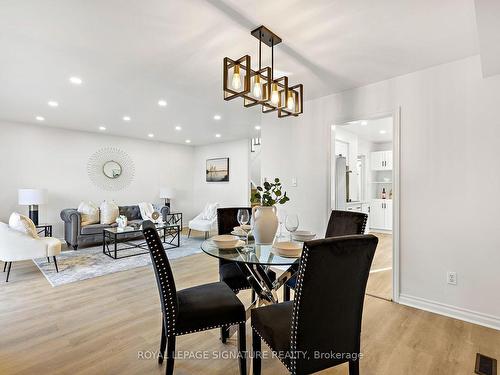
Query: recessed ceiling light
{"x": 218, "y": 135}
{"x": 162, "y": 103}
{"x": 40, "y": 118}
{"x": 126, "y": 118}
{"x": 75, "y": 80}
{"x": 333, "y": 127}
{"x": 151, "y": 135}
{"x": 383, "y": 131}
{"x": 53, "y": 103}
{"x": 257, "y": 127}
{"x": 188, "y": 141}
{"x": 364, "y": 123}
{"x": 178, "y": 128}
{"x": 102, "y": 128}
{"x": 217, "y": 117}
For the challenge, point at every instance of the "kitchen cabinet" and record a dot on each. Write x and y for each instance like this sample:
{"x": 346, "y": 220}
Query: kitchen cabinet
{"x": 381, "y": 160}
{"x": 381, "y": 214}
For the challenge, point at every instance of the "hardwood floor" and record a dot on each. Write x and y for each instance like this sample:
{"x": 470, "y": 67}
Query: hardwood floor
{"x": 380, "y": 280}
{"x": 102, "y": 325}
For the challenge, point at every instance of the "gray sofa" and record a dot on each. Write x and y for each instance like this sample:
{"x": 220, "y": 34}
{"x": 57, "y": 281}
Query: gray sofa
{"x": 76, "y": 235}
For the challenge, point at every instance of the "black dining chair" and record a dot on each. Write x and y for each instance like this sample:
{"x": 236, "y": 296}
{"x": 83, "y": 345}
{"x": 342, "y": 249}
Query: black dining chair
{"x": 195, "y": 309}
{"x": 230, "y": 272}
{"x": 321, "y": 328}
{"x": 341, "y": 223}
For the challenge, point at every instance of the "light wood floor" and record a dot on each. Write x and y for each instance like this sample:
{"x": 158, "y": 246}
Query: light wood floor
{"x": 99, "y": 326}
{"x": 380, "y": 280}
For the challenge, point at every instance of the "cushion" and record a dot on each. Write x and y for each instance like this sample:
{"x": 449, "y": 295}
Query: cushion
{"x": 207, "y": 306}
{"x": 210, "y": 211}
{"x": 147, "y": 210}
{"x": 22, "y": 224}
{"x": 89, "y": 212}
{"x": 96, "y": 228}
{"x": 109, "y": 212}
{"x": 274, "y": 325}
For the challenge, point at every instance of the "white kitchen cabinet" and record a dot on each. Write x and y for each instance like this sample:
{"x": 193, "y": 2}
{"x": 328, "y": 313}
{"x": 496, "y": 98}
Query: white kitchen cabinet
{"x": 381, "y": 214}
{"x": 381, "y": 160}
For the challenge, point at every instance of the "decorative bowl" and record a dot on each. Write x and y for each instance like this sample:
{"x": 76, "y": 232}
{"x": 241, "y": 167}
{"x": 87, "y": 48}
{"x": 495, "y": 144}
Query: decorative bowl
{"x": 288, "y": 249}
{"x": 226, "y": 241}
{"x": 303, "y": 235}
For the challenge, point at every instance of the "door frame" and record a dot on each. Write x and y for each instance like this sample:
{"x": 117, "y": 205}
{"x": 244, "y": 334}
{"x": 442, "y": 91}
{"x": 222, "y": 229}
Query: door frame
{"x": 396, "y": 196}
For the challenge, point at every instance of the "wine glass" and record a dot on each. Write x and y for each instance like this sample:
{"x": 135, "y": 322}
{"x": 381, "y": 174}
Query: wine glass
{"x": 243, "y": 217}
{"x": 281, "y": 220}
{"x": 291, "y": 224}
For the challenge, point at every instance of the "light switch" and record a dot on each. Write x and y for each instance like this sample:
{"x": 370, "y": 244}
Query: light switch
{"x": 294, "y": 181}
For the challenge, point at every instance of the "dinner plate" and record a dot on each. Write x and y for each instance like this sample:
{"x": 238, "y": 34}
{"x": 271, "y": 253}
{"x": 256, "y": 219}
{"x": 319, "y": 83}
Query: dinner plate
{"x": 225, "y": 241}
{"x": 288, "y": 249}
{"x": 303, "y": 235}
{"x": 240, "y": 243}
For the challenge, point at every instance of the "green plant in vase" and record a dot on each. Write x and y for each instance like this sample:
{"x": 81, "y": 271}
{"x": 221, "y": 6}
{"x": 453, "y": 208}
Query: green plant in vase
{"x": 270, "y": 194}
{"x": 264, "y": 218}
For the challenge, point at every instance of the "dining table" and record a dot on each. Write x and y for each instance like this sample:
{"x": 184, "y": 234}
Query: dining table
{"x": 254, "y": 261}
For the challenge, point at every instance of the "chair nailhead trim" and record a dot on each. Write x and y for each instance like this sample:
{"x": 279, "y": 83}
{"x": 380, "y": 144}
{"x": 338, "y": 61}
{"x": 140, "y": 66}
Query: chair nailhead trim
{"x": 272, "y": 350}
{"x": 296, "y": 307}
{"x": 207, "y": 328}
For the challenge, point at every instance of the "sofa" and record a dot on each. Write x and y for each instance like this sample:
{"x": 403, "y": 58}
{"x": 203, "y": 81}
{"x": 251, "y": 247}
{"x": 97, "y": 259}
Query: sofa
{"x": 77, "y": 235}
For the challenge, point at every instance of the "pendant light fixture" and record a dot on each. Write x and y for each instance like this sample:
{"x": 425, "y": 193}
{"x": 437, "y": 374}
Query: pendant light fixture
{"x": 260, "y": 87}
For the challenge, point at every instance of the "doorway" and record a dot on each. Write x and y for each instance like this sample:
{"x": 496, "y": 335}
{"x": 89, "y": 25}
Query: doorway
{"x": 363, "y": 175}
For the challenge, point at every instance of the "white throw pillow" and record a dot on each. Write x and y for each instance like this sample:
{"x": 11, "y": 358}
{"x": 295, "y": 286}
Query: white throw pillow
{"x": 210, "y": 211}
{"x": 147, "y": 210}
{"x": 109, "y": 212}
{"x": 22, "y": 224}
{"x": 89, "y": 213}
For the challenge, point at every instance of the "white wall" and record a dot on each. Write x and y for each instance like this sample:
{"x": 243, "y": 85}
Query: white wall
{"x": 450, "y": 125}
{"x": 232, "y": 193}
{"x": 56, "y": 159}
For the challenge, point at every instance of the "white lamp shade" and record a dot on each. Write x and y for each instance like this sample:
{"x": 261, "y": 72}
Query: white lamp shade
{"x": 28, "y": 197}
{"x": 167, "y": 193}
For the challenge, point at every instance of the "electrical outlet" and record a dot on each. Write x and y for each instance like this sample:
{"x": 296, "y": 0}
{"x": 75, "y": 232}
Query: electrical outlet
{"x": 452, "y": 278}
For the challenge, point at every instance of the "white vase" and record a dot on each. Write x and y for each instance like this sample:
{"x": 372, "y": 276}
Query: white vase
{"x": 265, "y": 224}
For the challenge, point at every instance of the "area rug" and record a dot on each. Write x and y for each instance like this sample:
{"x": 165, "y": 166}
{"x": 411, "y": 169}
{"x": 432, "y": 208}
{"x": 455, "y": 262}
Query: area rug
{"x": 90, "y": 262}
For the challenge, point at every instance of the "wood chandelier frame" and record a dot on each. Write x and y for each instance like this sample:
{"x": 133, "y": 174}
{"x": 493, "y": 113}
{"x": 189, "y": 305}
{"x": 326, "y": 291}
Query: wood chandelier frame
{"x": 288, "y": 100}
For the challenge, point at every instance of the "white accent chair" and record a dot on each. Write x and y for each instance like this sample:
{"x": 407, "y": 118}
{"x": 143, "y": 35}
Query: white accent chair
{"x": 16, "y": 246}
{"x": 205, "y": 221}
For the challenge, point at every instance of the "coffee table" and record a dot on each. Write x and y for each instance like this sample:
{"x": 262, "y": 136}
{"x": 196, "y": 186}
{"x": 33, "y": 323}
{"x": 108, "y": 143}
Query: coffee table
{"x": 115, "y": 240}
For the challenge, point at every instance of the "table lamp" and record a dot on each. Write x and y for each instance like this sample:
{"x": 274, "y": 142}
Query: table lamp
{"x": 32, "y": 198}
{"x": 167, "y": 194}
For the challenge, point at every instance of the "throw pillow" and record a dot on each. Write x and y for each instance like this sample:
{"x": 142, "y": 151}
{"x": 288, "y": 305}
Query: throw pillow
{"x": 109, "y": 212}
{"x": 146, "y": 211}
{"x": 22, "y": 224}
{"x": 210, "y": 211}
{"x": 89, "y": 213}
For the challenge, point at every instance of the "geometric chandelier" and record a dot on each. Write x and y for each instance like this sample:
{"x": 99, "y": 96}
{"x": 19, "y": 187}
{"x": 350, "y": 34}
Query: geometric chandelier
{"x": 260, "y": 87}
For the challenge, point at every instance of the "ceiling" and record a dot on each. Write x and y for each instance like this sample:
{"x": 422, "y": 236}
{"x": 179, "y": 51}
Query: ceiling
{"x": 376, "y": 130}
{"x": 131, "y": 53}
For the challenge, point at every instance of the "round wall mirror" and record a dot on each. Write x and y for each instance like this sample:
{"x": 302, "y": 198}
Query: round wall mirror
{"x": 112, "y": 169}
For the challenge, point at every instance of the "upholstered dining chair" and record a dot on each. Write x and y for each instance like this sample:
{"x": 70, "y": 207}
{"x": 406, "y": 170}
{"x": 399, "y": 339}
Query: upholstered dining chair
{"x": 229, "y": 272}
{"x": 194, "y": 309}
{"x": 341, "y": 223}
{"x": 321, "y": 328}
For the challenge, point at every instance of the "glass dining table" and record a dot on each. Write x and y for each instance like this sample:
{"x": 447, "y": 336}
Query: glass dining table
{"x": 254, "y": 261}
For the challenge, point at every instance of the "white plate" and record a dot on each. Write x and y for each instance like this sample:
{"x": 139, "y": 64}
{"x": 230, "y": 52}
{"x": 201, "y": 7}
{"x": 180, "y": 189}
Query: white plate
{"x": 303, "y": 235}
{"x": 225, "y": 241}
{"x": 239, "y": 243}
{"x": 288, "y": 249}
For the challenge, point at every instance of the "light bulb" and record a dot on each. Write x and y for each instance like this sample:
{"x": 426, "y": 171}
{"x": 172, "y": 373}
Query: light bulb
{"x": 257, "y": 87}
{"x": 275, "y": 97}
{"x": 290, "y": 103}
{"x": 236, "y": 80}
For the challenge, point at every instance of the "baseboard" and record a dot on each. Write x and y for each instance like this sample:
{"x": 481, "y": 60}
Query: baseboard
{"x": 470, "y": 316}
